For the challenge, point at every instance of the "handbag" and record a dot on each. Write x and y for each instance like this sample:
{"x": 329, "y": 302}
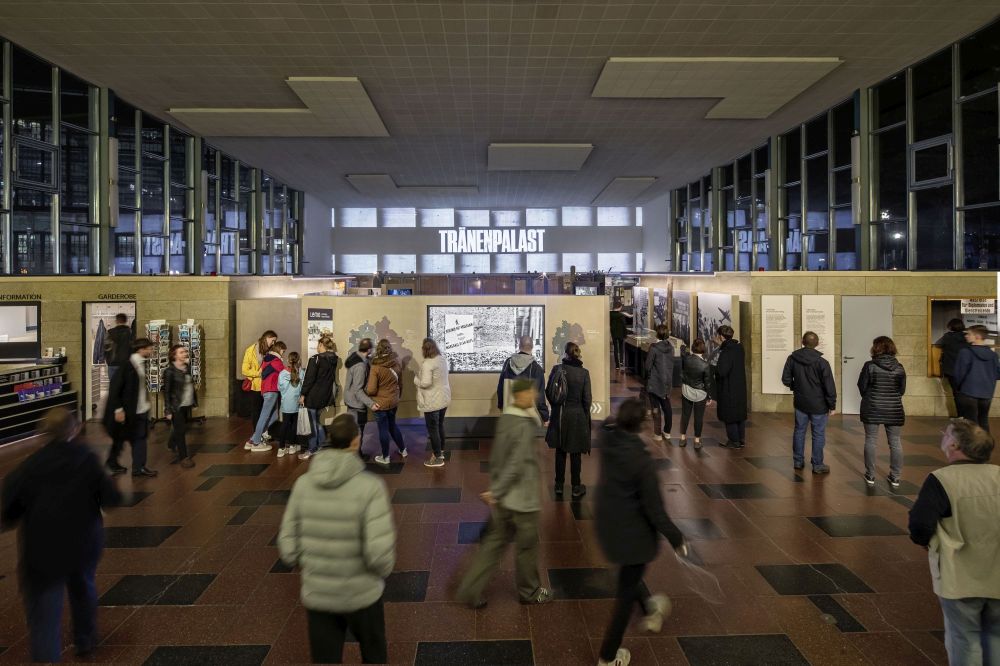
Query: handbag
{"x": 303, "y": 425}
{"x": 693, "y": 394}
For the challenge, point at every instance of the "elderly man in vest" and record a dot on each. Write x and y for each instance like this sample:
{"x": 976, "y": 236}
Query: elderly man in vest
{"x": 955, "y": 518}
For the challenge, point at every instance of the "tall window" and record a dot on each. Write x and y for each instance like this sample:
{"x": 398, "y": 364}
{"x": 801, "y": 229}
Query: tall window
{"x": 888, "y": 148}
{"x": 681, "y": 228}
{"x": 744, "y": 213}
{"x": 761, "y": 232}
{"x": 790, "y": 213}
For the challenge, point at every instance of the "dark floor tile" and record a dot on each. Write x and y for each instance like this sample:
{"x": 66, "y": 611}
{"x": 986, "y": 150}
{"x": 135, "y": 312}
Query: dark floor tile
{"x": 157, "y": 590}
{"x": 406, "y": 586}
{"x": 137, "y": 537}
{"x": 243, "y": 515}
{"x": 699, "y": 528}
{"x": 427, "y": 496}
{"x": 212, "y": 448}
{"x": 812, "y": 579}
{"x": 582, "y": 583}
{"x": 208, "y": 484}
{"x": 581, "y": 510}
{"x": 843, "y": 620}
{"x": 133, "y": 498}
{"x": 280, "y": 567}
{"x": 780, "y": 464}
{"x": 2, "y": 649}
{"x": 938, "y": 635}
{"x": 662, "y": 464}
{"x": 904, "y": 501}
{"x": 494, "y": 653}
{"x": 261, "y": 498}
{"x": 736, "y": 490}
{"x": 852, "y": 526}
{"x": 235, "y": 470}
{"x": 471, "y": 532}
{"x": 883, "y": 489}
{"x": 462, "y": 444}
{"x": 212, "y": 655}
{"x": 391, "y": 468}
{"x": 770, "y": 649}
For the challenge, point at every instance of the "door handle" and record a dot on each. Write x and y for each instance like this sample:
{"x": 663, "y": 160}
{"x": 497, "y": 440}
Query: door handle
{"x": 848, "y": 358}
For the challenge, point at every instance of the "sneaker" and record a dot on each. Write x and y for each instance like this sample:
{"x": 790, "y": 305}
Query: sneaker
{"x": 821, "y": 469}
{"x": 247, "y": 445}
{"x": 441, "y": 457}
{"x": 305, "y": 455}
{"x": 260, "y": 448}
{"x": 281, "y": 452}
{"x": 579, "y": 491}
{"x": 657, "y": 438}
{"x": 799, "y": 465}
{"x": 683, "y": 442}
{"x": 893, "y": 481}
{"x": 266, "y": 437}
{"x": 187, "y": 463}
{"x": 434, "y": 461}
{"x": 382, "y": 460}
{"x": 697, "y": 444}
{"x": 622, "y": 658}
{"x": 653, "y": 622}
{"x": 293, "y": 449}
{"x": 730, "y": 445}
{"x": 115, "y": 468}
{"x": 558, "y": 491}
{"x": 870, "y": 480}
{"x": 404, "y": 453}
{"x": 541, "y": 596}
{"x": 666, "y": 436}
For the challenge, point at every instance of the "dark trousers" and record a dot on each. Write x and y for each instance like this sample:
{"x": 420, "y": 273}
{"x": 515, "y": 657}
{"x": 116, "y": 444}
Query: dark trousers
{"x": 361, "y": 415}
{"x": 619, "y": 347}
{"x": 976, "y": 410}
{"x": 256, "y": 406}
{"x": 736, "y": 431}
{"x": 178, "y": 431}
{"x": 44, "y": 610}
{"x": 631, "y": 592}
{"x": 699, "y": 415}
{"x": 663, "y": 414}
{"x": 289, "y": 424}
{"x": 574, "y": 467}
{"x": 386, "y": 420}
{"x": 327, "y": 632}
{"x": 435, "y": 430}
{"x": 140, "y": 427}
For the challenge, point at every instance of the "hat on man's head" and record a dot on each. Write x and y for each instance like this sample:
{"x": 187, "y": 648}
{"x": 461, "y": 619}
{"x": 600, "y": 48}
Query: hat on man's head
{"x": 522, "y": 385}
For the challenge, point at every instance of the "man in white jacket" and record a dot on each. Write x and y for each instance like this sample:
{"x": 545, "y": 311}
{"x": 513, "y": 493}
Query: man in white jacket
{"x": 338, "y": 530}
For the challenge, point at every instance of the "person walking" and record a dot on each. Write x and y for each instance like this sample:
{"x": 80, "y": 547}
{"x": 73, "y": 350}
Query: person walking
{"x": 882, "y": 383}
{"x": 569, "y": 428}
{"x": 433, "y": 398}
{"x": 56, "y": 497}
{"x": 178, "y": 400}
{"x": 955, "y": 519}
{"x": 731, "y": 387}
{"x": 696, "y": 390}
{"x": 629, "y": 518}
{"x": 118, "y": 344}
{"x": 338, "y": 529}
{"x": 522, "y": 365}
{"x": 659, "y": 373}
{"x": 126, "y": 412}
{"x": 977, "y": 370}
{"x": 810, "y": 378}
{"x": 253, "y": 359}
{"x": 270, "y": 370}
{"x": 384, "y": 389}
{"x": 290, "y": 390}
{"x": 319, "y": 390}
{"x": 619, "y": 322}
{"x": 356, "y": 399}
{"x": 515, "y": 503}
{"x": 951, "y": 343}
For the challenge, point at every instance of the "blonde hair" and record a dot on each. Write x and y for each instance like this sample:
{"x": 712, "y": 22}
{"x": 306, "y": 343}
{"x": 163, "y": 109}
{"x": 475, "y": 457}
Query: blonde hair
{"x": 328, "y": 344}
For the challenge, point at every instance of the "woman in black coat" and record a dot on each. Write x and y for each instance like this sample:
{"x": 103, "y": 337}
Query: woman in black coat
{"x": 629, "y": 518}
{"x": 731, "y": 388}
{"x": 569, "y": 422}
{"x": 319, "y": 389}
{"x": 882, "y": 384}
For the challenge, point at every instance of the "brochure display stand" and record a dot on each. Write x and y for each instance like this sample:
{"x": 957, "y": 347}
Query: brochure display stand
{"x": 158, "y": 332}
{"x": 190, "y": 336}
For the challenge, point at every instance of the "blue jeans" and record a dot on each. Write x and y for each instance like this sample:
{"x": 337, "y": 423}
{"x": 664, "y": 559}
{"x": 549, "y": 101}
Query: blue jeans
{"x": 268, "y": 415}
{"x": 818, "y": 423}
{"x": 386, "y": 420}
{"x": 318, "y": 435}
{"x": 972, "y": 631}
{"x": 44, "y": 609}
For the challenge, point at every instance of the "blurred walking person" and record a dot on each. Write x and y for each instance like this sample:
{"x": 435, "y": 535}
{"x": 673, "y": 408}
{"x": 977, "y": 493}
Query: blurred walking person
{"x": 977, "y": 370}
{"x": 951, "y": 343}
{"x": 433, "y": 398}
{"x": 659, "y": 373}
{"x": 126, "y": 412}
{"x": 178, "y": 401}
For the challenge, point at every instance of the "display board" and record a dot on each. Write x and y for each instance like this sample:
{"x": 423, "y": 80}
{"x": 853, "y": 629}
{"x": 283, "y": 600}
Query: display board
{"x": 817, "y": 316}
{"x": 640, "y": 310}
{"x": 680, "y": 316}
{"x": 777, "y": 325}
{"x": 20, "y": 332}
{"x": 660, "y": 297}
{"x": 479, "y": 338}
{"x": 320, "y": 323}
{"x": 715, "y": 310}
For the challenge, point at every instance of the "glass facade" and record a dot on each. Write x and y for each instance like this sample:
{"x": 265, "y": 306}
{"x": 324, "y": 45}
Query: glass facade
{"x": 166, "y": 216}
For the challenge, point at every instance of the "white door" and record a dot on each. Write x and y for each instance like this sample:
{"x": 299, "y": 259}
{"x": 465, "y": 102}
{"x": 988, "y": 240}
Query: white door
{"x": 862, "y": 319}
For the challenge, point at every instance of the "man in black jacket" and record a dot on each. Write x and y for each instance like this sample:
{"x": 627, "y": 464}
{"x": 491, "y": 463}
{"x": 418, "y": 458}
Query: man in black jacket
{"x": 810, "y": 378}
{"x": 118, "y": 344}
{"x": 523, "y": 365}
{"x": 126, "y": 413}
{"x": 56, "y": 496}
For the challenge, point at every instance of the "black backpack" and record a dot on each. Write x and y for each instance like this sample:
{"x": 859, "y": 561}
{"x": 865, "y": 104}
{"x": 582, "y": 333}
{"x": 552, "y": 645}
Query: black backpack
{"x": 558, "y": 386}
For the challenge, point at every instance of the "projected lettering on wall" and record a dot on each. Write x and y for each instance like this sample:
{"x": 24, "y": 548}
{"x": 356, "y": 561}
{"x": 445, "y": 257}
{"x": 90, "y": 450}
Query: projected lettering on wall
{"x": 491, "y": 241}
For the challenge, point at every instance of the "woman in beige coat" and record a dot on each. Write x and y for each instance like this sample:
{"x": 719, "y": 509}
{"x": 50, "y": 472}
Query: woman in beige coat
{"x": 433, "y": 398}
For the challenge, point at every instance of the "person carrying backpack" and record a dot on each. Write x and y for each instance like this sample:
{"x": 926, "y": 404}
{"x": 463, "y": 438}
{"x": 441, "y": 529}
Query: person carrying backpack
{"x": 569, "y": 395}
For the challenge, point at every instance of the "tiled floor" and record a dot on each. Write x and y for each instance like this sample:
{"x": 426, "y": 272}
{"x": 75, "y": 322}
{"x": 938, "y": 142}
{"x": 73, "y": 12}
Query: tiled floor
{"x": 814, "y": 570}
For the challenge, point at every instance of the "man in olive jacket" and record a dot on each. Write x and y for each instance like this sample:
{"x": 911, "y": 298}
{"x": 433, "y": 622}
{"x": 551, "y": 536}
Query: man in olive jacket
{"x": 515, "y": 499}
{"x": 338, "y": 530}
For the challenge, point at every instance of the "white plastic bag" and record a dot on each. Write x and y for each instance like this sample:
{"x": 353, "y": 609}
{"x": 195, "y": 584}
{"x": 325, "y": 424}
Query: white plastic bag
{"x": 303, "y": 425}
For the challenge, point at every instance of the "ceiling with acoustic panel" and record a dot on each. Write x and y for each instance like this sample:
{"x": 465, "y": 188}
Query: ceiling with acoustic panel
{"x": 448, "y": 78}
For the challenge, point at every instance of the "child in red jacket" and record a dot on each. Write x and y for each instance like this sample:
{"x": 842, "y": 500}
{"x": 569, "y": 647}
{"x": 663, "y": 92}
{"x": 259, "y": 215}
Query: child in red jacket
{"x": 270, "y": 368}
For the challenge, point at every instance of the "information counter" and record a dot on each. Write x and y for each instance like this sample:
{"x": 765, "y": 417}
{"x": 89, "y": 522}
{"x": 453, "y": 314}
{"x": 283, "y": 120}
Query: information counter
{"x": 27, "y": 392}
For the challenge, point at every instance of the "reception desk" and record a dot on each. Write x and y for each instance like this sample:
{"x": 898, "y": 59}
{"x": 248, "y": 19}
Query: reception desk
{"x": 27, "y": 392}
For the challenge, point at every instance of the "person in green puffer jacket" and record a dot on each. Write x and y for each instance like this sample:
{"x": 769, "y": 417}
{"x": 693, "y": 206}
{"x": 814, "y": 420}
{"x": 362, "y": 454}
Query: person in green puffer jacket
{"x": 338, "y": 530}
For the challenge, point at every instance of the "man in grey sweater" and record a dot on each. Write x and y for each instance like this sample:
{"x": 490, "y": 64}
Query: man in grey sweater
{"x": 338, "y": 530}
{"x": 355, "y": 399}
{"x": 515, "y": 500}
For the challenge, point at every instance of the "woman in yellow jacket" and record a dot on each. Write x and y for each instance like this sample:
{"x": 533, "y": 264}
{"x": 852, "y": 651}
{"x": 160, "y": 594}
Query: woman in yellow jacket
{"x": 252, "y": 359}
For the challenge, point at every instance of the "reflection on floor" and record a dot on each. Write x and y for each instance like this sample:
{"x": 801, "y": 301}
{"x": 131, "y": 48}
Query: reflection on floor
{"x": 815, "y": 570}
